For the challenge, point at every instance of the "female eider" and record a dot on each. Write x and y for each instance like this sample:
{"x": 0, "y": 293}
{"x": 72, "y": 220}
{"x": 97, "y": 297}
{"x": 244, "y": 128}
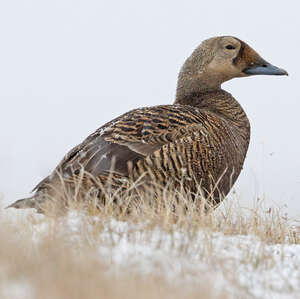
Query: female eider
{"x": 201, "y": 139}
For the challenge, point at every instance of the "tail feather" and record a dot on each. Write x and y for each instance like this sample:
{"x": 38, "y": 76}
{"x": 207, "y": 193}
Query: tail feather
{"x": 26, "y": 203}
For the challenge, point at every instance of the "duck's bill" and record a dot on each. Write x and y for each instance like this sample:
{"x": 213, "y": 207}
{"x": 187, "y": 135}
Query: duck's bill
{"x": 265, "y": 69}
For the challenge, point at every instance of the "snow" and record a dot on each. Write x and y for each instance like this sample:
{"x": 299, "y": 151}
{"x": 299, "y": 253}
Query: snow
{"x": 242, "y": 265}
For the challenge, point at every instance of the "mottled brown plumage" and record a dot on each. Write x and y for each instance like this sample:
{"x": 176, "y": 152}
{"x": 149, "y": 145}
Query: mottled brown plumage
{"x": 202, "y": 139}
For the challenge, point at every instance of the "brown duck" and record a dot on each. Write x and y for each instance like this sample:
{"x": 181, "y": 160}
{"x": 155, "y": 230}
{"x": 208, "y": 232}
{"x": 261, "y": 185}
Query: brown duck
{"x": 201, "y": 139}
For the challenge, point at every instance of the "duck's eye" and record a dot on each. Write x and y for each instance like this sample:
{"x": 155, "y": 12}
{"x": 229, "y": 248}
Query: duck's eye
{"x": 230, "y": 47}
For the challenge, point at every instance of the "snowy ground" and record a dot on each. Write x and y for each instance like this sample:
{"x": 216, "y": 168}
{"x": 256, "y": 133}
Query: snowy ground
{"x": 239, "y": 265}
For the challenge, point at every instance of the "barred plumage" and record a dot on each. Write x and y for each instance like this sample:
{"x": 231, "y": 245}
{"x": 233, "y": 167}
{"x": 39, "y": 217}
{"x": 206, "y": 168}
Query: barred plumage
{"x": 202, "y": 138}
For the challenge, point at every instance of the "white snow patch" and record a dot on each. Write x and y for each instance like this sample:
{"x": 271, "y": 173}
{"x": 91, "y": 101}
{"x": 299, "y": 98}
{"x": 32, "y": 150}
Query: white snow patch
{"x": 242, "y": 265}
{"x": 16, "y": 290}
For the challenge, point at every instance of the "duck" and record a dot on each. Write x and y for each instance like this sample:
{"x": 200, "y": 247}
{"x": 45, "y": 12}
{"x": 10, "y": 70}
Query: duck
{"x": 200, "y": 139}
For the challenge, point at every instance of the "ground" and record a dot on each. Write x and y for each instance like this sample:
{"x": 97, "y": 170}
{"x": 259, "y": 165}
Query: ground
{"x": 230, "y": 253}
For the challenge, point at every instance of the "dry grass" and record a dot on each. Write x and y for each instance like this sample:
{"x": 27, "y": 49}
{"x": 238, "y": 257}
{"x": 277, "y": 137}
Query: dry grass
{"x": 164, "y": 207}
{"x": 171, "y": 209}
{"x": 60, "y": 263}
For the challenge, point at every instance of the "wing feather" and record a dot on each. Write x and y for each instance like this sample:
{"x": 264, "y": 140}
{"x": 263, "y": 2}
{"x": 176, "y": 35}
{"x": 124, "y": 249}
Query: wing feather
{"x": 130, "y": 138}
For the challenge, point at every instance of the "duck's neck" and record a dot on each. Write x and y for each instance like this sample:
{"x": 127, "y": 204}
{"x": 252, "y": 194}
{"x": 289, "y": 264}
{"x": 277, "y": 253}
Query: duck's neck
{"x": 217, "y": 101}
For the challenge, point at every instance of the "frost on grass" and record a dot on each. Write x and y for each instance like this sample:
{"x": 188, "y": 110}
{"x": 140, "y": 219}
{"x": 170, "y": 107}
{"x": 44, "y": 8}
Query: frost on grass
{"x": 226, "y": 254}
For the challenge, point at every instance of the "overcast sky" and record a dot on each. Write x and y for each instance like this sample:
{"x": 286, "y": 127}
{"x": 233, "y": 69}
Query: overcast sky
{"x": 67, "y": 67}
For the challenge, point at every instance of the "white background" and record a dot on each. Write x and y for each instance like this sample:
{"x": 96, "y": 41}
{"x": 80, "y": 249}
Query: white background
{"x": 67, "y": 67}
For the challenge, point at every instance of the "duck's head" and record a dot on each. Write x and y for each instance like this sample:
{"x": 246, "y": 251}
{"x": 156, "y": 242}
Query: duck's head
{"x": 220, "y": 59}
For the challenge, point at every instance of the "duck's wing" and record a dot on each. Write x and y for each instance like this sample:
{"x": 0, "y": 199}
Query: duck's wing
{"x": 130, "y": 138}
